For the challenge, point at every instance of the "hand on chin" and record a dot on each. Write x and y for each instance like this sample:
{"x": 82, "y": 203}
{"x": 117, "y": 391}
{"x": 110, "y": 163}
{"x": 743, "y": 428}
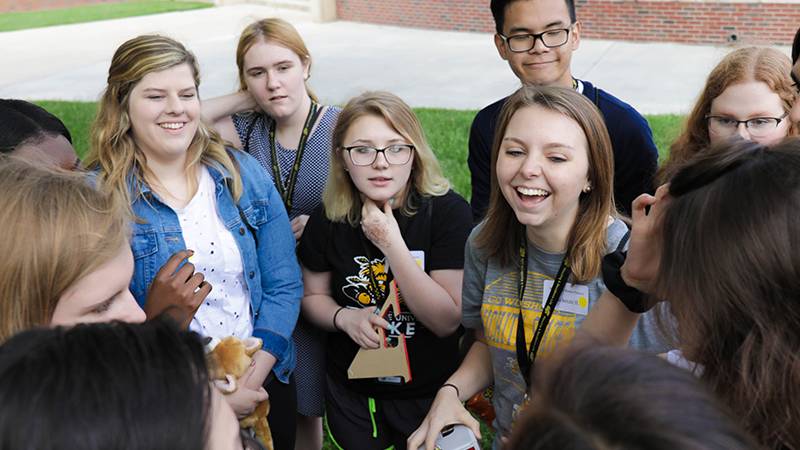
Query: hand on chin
{"x": 379, "y": 224}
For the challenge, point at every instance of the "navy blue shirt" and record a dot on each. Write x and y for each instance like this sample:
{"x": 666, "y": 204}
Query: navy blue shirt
{"x": 635, "y": 153}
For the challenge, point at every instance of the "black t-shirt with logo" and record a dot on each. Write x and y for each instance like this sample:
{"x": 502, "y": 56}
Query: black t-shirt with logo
{"x": 436, "y": 236}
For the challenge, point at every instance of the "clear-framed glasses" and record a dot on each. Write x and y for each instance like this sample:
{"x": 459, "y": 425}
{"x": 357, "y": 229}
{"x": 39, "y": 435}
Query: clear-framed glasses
{"x": 519, "y": 43}
{"x": 396, "y": 154}
{"x": 756, "y": 127}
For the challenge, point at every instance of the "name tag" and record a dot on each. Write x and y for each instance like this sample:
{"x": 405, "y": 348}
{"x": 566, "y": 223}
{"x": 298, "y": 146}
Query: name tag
{"x": 391, "y": 380}
{"x": 419, "y": 258}
{"x": 574, "y": 299}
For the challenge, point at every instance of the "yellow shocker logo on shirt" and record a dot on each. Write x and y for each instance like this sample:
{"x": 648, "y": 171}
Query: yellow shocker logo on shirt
{"x": 360, "y": 287}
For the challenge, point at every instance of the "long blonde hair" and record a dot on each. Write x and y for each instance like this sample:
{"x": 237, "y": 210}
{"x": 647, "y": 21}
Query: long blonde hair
{"x": 278, "y": 31}
{"x": 113, "y": 150}
{"x": 341, "y": 198}
{"x": 501, "y": 234}
{"x": 58, "y": 229}
{"x": 766, "y": 65}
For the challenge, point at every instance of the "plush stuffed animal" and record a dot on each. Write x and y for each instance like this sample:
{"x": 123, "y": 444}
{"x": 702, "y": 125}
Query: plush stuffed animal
{"x": 229, "y": 359}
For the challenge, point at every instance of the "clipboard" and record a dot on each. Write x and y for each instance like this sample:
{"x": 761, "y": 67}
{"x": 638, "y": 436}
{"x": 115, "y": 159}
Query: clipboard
{"x": 383, "y": 361}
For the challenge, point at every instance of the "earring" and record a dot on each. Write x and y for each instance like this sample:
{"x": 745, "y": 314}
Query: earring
{"x": 587, "y": 189}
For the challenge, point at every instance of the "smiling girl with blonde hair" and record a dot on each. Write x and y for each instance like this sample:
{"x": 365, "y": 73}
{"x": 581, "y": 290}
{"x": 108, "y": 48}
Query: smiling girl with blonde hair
{"x": 188, "y": 192}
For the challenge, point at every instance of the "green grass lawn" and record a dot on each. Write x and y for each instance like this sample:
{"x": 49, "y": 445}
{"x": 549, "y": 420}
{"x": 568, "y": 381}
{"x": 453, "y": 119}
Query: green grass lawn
{"x": 666, "y": 128}
{"x": 88, "y": 13}
{"x": 447, "y": 131}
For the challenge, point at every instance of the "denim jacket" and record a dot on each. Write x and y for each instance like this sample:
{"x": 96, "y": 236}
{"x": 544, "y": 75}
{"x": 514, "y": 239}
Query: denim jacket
{"x": 261, "y": 229}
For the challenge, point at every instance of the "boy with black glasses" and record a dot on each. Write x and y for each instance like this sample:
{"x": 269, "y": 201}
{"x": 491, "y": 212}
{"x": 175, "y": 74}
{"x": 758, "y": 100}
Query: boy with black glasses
{"x": 537, "y": 38}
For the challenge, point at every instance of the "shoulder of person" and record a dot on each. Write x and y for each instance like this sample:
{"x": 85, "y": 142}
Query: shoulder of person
{"x": 475, "y": 231}
{"x": 472, "y": 248}
{"x": 451, "y": 218}
{"x": 253, "y": 175}
{"x": 248, "y": 114}
{"x": 332, "y": 109}
{"x": 245, "y": 162}
{"x": 320, "y": 232}
{"x": 617, "y": 231}
{"x": 328, "y": 116}
{"x": 319, "y": 215}
{"x": 490, "y": 112}
{"x": 611, "y": 106}
{"x": 450, "y": 210}
{"x": 451, "y": 199}
{"x": 318, "y": 222}
{"x": 245, "y": 117}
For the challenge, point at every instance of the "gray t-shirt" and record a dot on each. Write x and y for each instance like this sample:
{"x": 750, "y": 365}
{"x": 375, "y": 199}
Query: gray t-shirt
{"x": 490, "y": 304}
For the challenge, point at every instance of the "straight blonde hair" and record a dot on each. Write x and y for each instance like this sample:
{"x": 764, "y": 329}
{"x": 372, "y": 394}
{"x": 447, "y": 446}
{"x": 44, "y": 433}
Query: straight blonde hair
{"x": 58, "y": 229}
{"x": 341, "y": 198}
{"x": 278, "y": 31}
{"x": 501, "y": 234}
{"x": 114, "y": 152}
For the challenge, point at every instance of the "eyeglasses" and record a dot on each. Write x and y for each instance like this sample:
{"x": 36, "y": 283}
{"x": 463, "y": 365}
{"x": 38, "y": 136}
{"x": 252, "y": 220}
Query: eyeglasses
{"x": 397, "y": 154}
{"x": 756, "y": 127}
{"x": 520, "y": 43}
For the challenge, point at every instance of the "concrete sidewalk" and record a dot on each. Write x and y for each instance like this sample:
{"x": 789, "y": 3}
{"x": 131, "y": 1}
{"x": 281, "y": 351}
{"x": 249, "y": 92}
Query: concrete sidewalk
{"x": 426, "y": 68}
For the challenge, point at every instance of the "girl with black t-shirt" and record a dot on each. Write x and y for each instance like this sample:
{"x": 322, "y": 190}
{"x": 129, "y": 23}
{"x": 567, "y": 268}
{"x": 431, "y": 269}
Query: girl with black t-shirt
{"x": 388, "y": 218}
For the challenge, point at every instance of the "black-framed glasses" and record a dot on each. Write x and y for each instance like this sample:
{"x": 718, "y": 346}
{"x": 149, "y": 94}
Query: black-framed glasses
{"x": 519, "y": 43}
{"x": 756, "y": 127}
{"x": 395, "y": 154}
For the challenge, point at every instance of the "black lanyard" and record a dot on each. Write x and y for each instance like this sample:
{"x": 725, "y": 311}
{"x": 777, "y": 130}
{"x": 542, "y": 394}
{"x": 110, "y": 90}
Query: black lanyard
{"x": 287, "y": 191}
{"x": 525, "y": 357}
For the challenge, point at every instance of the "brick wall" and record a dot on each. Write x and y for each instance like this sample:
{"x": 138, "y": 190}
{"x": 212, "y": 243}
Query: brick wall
{"x": 714, "y": 22}
{"x": 460, "y": 15}
{"x": 691, "y": 22}
{"x": 37, "y": 5}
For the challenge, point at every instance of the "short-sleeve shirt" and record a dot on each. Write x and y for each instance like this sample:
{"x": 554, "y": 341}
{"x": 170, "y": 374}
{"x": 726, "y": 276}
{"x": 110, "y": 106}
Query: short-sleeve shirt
{"x": 253, "y": 129}
{"x": 435, "y": 235}
{"x": 490, "y": 304}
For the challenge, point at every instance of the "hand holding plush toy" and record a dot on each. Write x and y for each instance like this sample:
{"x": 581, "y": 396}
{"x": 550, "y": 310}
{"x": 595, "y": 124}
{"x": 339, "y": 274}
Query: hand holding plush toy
{"x": 228, "y": 361}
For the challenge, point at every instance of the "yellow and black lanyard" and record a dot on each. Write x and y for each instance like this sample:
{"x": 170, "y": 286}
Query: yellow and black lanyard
{"x": 288, "y": 191}
{"x": 526, "y": 357}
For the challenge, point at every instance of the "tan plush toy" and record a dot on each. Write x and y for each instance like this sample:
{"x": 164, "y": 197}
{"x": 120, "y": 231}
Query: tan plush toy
{"x": 229, "y": 359}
